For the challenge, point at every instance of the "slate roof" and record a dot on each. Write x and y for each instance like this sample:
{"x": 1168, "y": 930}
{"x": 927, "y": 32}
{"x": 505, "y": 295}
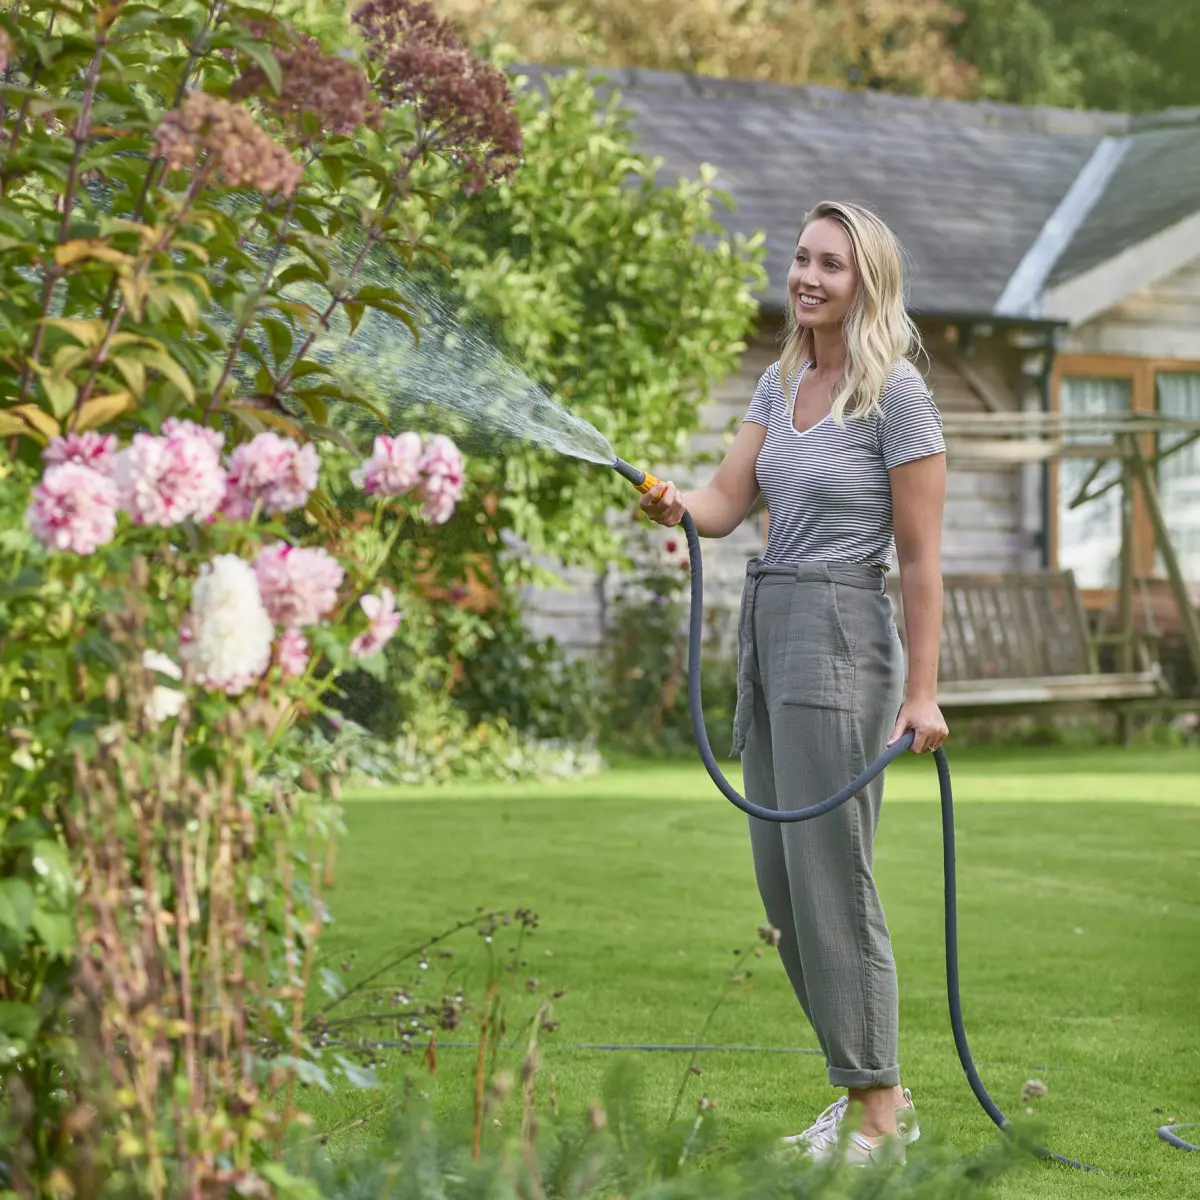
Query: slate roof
{"x": 967, "y": 187}
{"x": 1156, "y": 185}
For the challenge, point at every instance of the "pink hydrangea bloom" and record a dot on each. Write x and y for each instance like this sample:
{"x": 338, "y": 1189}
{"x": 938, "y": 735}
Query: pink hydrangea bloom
{"x": 272, "y": 470}
{"x": 393, "y": 468}
{"x": 298, "y": 586}
{"x": 384, "y": 621}
{"x": 442, "y": 479}
{"x": 89, "y": 449}
{"x": 73, "y": 508}
{"x": 292, "y": 653}
{"x": 166, "y": 479}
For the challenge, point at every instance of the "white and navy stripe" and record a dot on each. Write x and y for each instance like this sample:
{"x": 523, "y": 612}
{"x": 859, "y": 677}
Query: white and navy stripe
{"x": 827, "y": 489}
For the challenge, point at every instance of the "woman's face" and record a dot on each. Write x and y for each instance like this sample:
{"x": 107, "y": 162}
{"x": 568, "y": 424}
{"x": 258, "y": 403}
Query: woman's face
{"x": 823, "y": 275}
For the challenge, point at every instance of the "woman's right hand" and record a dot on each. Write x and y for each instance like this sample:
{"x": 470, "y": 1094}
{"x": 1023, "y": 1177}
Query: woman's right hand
{"x": 664, "y": 505}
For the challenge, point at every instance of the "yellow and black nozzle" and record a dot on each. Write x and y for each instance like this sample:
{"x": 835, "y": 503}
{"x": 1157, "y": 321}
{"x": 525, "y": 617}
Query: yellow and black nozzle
{"x": 642, "y": 480}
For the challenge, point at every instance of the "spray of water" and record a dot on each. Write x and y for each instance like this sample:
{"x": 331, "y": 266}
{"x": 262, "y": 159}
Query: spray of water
{"x": 454, "y": 376}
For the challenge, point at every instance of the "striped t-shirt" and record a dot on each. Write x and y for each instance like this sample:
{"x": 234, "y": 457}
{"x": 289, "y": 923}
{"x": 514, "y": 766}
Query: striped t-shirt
{"x": 827, "y": 489}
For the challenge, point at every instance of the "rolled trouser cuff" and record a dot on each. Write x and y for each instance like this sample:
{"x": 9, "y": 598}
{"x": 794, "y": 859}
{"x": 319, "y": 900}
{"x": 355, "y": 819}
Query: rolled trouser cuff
{"x": 844, "y": 1077}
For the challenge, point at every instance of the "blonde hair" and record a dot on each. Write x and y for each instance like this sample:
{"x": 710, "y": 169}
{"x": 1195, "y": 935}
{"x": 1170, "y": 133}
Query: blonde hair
{"x": 877, "y": 329}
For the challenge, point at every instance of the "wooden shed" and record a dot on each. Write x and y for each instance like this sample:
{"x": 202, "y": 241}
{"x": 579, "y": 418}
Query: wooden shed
{"x": 1054, "y": 268}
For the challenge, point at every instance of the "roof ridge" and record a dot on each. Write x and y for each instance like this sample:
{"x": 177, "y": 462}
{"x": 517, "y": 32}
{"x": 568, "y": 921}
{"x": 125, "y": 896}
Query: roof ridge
{"x": 1167, "y": 118}
{"x": 979, "y": 113}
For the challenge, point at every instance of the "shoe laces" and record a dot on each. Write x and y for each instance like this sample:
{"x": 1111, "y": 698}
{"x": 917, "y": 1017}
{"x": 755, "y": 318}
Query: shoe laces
{"x": 824, "y": 1129}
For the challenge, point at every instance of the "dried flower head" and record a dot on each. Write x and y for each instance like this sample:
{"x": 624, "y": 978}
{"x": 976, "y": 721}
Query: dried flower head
{"x": 769, "y": 934}
{"x": 1034, "y": 1089}
{"x": 325, "y": 91}
{"x": 206, "y": 127}
{"x": 467, "y": 103}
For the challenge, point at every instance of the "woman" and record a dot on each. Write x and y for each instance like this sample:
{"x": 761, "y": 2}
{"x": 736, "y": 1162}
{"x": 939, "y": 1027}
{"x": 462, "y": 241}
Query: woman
{"x": 844, "y": 441}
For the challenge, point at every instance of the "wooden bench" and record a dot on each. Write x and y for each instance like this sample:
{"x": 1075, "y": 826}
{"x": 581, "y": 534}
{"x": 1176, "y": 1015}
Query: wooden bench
{"x": 1020, "y": 641}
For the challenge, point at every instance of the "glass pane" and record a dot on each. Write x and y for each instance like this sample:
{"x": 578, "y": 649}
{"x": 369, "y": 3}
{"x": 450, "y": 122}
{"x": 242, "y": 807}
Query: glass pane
{"x": 1179, "y": 474}
{"x": 1089, "y": 537}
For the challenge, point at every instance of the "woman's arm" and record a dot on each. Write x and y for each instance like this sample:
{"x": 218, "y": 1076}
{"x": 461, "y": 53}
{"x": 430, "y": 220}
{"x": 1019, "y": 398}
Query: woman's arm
{"x": 918, "y": 503}
{"x": 721, "y": 507}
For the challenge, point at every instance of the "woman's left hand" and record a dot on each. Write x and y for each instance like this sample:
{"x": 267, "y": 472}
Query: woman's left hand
{"x": 925, "y": 719}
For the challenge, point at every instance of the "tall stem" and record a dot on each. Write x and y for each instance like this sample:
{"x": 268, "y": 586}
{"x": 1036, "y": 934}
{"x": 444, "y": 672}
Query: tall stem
{"x": 411, "y": 157}
{"x": 23, "y": 115}
{"x": 53, "y": 271}
{"x": 251, "y": 308}
{"x": 153, "y": 171}
{"x": 114, "y": 321}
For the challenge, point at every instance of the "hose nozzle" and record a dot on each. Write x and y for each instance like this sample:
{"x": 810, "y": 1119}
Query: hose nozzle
{"x": 642, "y": 480}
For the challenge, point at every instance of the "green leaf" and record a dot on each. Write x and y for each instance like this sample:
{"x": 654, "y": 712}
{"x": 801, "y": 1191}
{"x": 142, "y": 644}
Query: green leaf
{"x": 362, "y": 1078}
{"x": 50, "y": 862}
{"x": 280, "y": 338}
{"x": 158, "y": 360}
{"x": 55, "y": 931}
{"x": 17, "y": 902}
{"x": 264, "y": 56}
{"x": 307, "y": 1071}
{"x": 354, "y": 311}
{"x": 324, "y": 433}
{"x": 59, "y": 392}
{"x": 331, "y": 983}
{"x": 19, "y": 1021}
{"x": 298, "y": 272}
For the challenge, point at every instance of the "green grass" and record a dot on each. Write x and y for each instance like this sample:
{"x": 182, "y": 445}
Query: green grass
{"x": 1079, "y": 911}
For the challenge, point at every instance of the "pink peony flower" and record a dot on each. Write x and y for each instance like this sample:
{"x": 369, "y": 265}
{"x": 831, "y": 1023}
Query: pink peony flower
{"x": 73, "y": 508}
{"x": 298, "y": 586}
{"x": 180, "y": 427}
{"x": 384, "y": 621}
{"x": 393, "y": 468}
{"x": 90, "y": 449}
{"x": 164, "y": 480}
{"x": 442, "y": 482}
{"x": 272, "y": 470}
{"x": 292, "y": 653}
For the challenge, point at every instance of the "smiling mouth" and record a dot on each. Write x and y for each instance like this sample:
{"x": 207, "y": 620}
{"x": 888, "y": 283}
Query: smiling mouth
{"x": 811, "y": 301}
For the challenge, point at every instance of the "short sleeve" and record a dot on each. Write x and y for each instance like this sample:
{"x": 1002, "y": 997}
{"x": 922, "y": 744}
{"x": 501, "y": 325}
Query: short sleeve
{"x": 911, "y": 426}
{"x": 759, "y": 411}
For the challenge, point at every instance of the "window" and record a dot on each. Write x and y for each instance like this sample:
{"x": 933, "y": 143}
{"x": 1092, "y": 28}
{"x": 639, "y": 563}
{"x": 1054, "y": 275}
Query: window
{"x": 1178, "y": 395}
{"x": 1089, "y": 537}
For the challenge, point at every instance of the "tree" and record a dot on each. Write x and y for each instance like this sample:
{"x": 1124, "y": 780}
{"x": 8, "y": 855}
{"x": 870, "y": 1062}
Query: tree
{"x": 894, "y": 45}
{"x": 1107, "y": 55}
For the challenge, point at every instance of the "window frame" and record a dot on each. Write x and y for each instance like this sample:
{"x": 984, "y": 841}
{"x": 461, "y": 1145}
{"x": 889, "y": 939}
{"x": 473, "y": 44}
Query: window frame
{"x": 1143, "y": 398}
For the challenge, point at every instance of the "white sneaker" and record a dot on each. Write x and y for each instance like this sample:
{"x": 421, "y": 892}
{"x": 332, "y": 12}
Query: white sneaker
{"x": 823, "y": 1134}
{"x": 864, "y": 1152}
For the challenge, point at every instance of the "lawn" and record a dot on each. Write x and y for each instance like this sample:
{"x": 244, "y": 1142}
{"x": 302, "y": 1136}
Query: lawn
{"x": 1079, "y": 911}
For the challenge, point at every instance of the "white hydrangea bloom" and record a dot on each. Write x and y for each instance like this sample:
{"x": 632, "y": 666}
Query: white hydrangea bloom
{"x": 230, "y": 635}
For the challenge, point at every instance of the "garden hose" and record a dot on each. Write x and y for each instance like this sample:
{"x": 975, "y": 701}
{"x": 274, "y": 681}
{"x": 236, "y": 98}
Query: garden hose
{"x": 644, "y": 482}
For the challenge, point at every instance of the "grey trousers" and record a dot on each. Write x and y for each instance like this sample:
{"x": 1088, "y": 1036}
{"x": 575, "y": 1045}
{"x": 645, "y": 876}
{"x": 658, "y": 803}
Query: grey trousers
{"x": 821, "y": 680}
